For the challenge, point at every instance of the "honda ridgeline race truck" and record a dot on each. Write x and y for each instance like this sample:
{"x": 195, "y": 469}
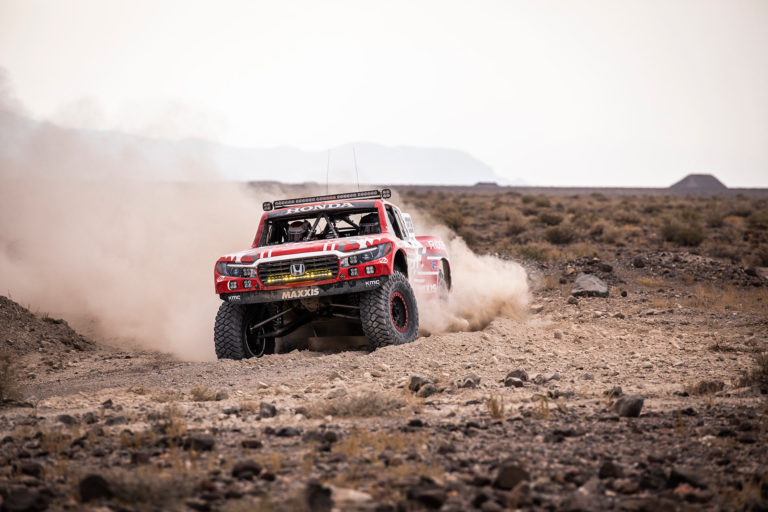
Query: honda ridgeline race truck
{"x": 338, "y": 265}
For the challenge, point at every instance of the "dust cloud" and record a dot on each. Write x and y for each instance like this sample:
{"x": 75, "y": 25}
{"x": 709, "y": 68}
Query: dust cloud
{"x": 88, "y": 237}
{"x": 484, "y": 287}
{"x": 126, "y": 255}
{"x": 127, "y": 262}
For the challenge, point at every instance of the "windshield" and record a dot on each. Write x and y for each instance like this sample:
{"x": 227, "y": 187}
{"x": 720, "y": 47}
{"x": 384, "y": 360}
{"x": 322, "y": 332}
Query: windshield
{"x": 321, "y": 225}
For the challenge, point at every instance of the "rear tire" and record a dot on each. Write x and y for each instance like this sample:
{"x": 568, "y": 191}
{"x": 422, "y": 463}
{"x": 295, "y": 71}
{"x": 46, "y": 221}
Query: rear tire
{"x": 389, "y": 314}
{"x": 233, "y": 337}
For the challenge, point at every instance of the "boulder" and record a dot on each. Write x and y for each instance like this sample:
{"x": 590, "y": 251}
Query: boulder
{"x": 589, "y": 285}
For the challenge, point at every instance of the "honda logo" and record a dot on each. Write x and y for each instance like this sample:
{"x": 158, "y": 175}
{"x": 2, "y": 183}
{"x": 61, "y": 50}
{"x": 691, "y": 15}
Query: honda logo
{"x": 297, "y": 269}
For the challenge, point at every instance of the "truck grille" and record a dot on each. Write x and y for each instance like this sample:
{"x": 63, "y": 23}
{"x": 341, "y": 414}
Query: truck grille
{"x": 318, "y": 268}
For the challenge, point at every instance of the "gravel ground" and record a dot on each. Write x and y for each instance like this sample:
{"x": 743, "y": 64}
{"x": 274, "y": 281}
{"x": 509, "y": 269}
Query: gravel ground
{"x": 436, "y": 424}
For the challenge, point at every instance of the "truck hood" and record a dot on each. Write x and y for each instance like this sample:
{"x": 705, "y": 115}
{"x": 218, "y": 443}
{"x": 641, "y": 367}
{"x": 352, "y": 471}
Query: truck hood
{"x": 299, "y": 248}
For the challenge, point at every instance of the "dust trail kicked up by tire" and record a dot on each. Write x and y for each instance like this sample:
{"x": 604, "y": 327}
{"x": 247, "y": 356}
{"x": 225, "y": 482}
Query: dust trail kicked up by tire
{"x": 484, "y": 287}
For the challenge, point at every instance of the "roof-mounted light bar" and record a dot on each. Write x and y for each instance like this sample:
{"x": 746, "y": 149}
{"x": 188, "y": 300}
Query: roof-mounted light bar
{"x": 384, "y": 193}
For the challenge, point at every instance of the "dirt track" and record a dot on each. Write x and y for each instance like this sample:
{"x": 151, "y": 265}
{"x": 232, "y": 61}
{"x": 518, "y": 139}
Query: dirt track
{"x": 556, "y": 443}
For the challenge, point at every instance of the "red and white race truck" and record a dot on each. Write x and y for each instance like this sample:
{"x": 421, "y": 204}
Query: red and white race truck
{"x": 344, "y": 264}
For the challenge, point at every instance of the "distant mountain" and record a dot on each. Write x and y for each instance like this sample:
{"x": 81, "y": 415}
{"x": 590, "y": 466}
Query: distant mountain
{"x": 699, "y": 183}
{"x": 30, "y": 148}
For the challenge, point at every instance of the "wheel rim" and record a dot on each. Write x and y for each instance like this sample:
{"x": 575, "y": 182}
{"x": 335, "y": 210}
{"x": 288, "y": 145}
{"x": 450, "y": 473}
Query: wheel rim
{"x": 398, "y": 310}
{"x": 255, "y": 343}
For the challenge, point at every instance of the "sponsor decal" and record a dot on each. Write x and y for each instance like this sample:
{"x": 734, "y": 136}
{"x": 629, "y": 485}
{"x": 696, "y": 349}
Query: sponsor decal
{"x": 372, "y": 283}
{"x": 434, "y": 265}
{"x": 220, "y": 279}
{"x": 300, "y": 294}
{"x": 315, "y": 207}
{"x": 436, "y": 244}
{"x": 232, "y": 298}
{"x": 384, "y": 260}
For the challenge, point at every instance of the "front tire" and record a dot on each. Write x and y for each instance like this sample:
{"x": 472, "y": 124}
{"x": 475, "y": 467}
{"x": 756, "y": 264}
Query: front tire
{"x": 389, "y": 314}
{"x": 234, "y": 334}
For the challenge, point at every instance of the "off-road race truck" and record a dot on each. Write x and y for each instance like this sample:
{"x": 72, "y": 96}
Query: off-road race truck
{"x": 334, "y": 265}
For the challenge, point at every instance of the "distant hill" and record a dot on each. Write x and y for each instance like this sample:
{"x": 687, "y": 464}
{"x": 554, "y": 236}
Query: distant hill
{"x": 33, "y": 148}
{"x": 699, "y": 183}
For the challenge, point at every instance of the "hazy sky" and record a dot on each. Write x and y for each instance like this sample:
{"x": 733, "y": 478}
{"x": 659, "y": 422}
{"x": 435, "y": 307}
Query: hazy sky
{"x": 553, "y": 92}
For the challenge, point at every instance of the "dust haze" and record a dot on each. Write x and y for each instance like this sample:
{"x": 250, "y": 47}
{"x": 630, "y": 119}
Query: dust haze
{"x": 484, "y": 287}
{"x": 129, "y": 260}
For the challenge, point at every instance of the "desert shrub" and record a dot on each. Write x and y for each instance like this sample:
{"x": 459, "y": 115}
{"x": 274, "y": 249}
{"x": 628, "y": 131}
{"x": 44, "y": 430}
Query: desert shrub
{"x": 205, "y": 394}
{"x": 529, "y": 212}
{"x": 689, "y": 215}
{"x": 550, "y": 219}
{"x": 453, "y": 220}
{"x": 9, "y": 388}
{"x": 652, "y": 209}
{"x": 705, "y": 387}
{"x": 685, "y": 234}
{"x": 560, "y": 235}
{"x": 757, "y": 258}
{"x": 495, "y": 406}
{"x": 627, "y": 217}
{"x": 542, "y": 202}
{"x": 527, "y": 199}
{"x": 599, "y": 196}
{"x": 740, "y": 210}
{"x": 726, "y": 252}
{"x": 715, "y": 219}
{"x": 758, "y": 374}
{"x": 516, "y": 224}
{"x": 469, "y": 236}
{"x": 364, "y": 405}
{"x": 597, "y": 230}
{"x": 614, "y": 236}
{"x": 532, "y": 252}
{"x": 758, "y": 219}
{"x": 584, "y": 220}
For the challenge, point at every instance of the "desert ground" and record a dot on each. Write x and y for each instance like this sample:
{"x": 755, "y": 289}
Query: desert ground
{"x": 652, "y": 398}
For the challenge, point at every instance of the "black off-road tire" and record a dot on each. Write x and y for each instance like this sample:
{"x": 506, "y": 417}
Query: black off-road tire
{"x": 389, "y": 314}
{"x": 231, "y": 335}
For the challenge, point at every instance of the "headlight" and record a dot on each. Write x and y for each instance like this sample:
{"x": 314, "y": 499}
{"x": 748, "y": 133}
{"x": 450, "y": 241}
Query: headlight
{"x": 366, "y": 255}
{"x": 232, "y": 270}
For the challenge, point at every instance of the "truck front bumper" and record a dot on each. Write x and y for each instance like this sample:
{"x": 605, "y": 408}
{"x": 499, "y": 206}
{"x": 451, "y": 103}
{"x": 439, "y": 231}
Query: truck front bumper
{"x": 306, "y": 292}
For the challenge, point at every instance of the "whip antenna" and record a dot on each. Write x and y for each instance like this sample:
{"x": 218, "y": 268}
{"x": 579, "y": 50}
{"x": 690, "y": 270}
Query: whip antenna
{"x": 328, "y": 170}
{"x": 354, "y": 156}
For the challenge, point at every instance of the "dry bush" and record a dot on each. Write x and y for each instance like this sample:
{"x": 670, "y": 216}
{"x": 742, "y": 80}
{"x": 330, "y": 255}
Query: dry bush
{"x": 515, "y": 224}
{"x": 705, "y": 387}
{"x": 649, "y": 282}
{"x": 758, "y": 219}
{"x": 715, "y": 219}
{"x": 627, "y": 217}
{"x": 203, "y": 394}
{"x": 533, "y": 252}
{"x": 686, "y": 234}
{"x": 725, "y": 298}
{"x": 495, "y": 407}
{"x": 363, "y": 405}
{"x": 550, "y": 219}
{"x": 560, "y": 235}
{"x": 758, "y": 374}
{"x": 453, "y": 219}
{"x": 171, "y": 421}
{"x": 168, "y": 395}
{"x": 9, "y": 382}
